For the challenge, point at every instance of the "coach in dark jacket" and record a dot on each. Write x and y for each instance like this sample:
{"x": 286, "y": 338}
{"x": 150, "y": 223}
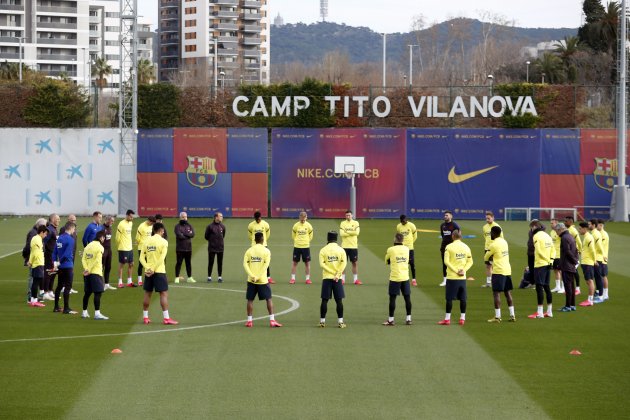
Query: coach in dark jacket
{"x": 568, "y": 262}
{"x": 215, "y": 232}
{"x": 530, "y": 251}
{"x": 184, "y": 232}
{"x": 26, "y": 253}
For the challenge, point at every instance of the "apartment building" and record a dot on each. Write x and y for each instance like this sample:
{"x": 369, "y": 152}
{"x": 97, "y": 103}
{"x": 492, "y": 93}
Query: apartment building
{"x": 190, "y": 30}
{"x": 63, "y": 37}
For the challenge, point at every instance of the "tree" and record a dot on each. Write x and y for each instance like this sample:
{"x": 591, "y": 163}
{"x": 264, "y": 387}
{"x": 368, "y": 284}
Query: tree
{"x": 58, "y": 104}
{"x": 158, "y": 105}
{"x": 566, "y": 51}
{"x": 551, "y": 66}
{"x": 146, "y": 72}
{"x": 101, "y": 69}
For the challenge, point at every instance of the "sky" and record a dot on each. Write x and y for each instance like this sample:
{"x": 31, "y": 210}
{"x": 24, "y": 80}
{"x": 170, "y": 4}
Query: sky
{"x": 398, "y": 15}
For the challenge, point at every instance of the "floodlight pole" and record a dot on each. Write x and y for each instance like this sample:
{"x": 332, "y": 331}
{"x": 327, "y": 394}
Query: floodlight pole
{"x": 619, "y": 204}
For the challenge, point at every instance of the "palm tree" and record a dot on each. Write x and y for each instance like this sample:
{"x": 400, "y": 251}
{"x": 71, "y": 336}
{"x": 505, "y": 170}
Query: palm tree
{"x": 146, "y": 72}
{"x": 550, "y": 65}
{"x": 566, "y": 50}
{"x": 101, "y": 69}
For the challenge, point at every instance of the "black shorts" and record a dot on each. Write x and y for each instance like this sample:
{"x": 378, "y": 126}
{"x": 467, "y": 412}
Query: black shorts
{"x": 66, "y": 276}
{"x": 603, "y": 269}
{"x": 331, "y": 287}
{"x": 38, "y": 272}
{"x": 352, "y": 254}
{"x": 489, "y": 262}
{"x": 589, "y": 272}
{"x": 304, "y": 253}
{"x": 262, "y": 290}
{"x": 411, "y": 259}
{"x": 501, "y": 283}
{"x": 556, "y": 263}
{"x": 125, "y": 257}
{"x": 156, "y": 282}
{"x": 93, "y": 283}
{"x": 541, "y": 275}
{"x": 398, "y": 287}
{"x": 456, "y": 290}
{"x": 597, "y": 270}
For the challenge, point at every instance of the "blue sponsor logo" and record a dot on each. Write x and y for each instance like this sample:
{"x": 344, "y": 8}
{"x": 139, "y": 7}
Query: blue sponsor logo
{"x": 43, "y": 196}
{"x": 105, "y": 197}
{"x": 106, "y": 145}
{"x": 12, "y": 170}
{"x": 74, "y": 170}
{"x": 43, "y": 145}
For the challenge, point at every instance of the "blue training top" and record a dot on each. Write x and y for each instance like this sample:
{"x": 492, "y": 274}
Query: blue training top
{"x": 90, "y": 233}
{"x": 63, "y": 252}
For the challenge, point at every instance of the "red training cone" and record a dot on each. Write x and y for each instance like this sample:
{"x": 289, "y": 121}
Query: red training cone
{"x": 116, "y": 351}
{"x": 575, "y": 352}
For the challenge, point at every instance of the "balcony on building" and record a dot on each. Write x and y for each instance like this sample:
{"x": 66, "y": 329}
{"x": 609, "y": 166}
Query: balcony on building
{"x": 251, "y": 53}
{"x": 58, "y": 73}
{"x": 56, "y": 40}
{"x": 228, "y": 64}
{"x": 251, "y": 16}
{"x": 251, "y": 4}
{"x": 251, "y": 40}
{"x": 225, "y": 14}
{"x": 169, "y": 3}
{"x": 9, "y": 56}
{"x": 169, "y": 40}
{"x": 226, "y": 2}
{"x": 227, "y": 39}
{"x": 12, "y": 39}
{"x": 221, "y": 26}
{"x": 254, "y": 29}
{"x": 56, "y": 9}
{"x": 95, "y": 19}
{"x": 57, "y": 25}
{"x": 57, "y": 57}
{"x": 227, "y": 52}
{"x": 15, "y": 7}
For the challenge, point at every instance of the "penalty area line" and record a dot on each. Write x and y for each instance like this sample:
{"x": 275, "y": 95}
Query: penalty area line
{"x": 295, "y": 305}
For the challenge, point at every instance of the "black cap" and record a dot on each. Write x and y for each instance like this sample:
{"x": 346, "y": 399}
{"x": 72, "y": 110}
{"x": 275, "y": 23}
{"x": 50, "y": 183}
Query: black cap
{"x": 130, "y": 212}
{"x": 332, "y": 236}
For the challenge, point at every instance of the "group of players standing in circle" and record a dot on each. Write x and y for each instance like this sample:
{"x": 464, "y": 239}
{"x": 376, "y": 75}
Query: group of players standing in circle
{"x": 47, "y": 254}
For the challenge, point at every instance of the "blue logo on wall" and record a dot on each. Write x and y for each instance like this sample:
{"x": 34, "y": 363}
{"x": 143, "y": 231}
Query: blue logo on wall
{"x": 74, "y": 170}
{"x": 104, "y": 197}
{"x": 43, "y": 145}
{"x": 13, "y": 170}
{"x": 106, "y": 145}
{"x": 43, "y": 196}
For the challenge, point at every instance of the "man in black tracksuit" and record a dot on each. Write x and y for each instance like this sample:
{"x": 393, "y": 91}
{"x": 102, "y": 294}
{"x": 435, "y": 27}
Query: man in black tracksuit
{"x": 530, "y": 253}
{"x": 568, "y": 262}
{"x": 215, "y": 232}
{"x": 184, "y": 233}
{"x": 107, "y": 251}
{"x": 50, "y": 243}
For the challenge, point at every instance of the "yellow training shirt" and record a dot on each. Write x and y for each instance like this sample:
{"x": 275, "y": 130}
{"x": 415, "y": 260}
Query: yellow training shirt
{"x": 332, "y": 260}
{"x": 556, "y": 243}
{"x": 544, "y": 251}
{"x": 498, "y": 251}
{"x": 599, "y": 251}
{"x": 37, "y": 252}
{"x": 398, "y": 258}
{"x": 302, "y": 235}
{"x": 255, "y": 227}
{"x": 457, "y": 257}
{"x": 605, "y": 242}
{"x": 255, "y": 262}
{"x": 409, "y": 233}
{"x": 486, "y": 233}
{"x": 123, "y": 235}
{"x": 349, "y": 231}
{"x": 153, "y": 254}
{"x": 588, "y": 249}
{"x": 576, "y": 235}
{"x": 143, "y": 233}
{"x": 92, "y": 259}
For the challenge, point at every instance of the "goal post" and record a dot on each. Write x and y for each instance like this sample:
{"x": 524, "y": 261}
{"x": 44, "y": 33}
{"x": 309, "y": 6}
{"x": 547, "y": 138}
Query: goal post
{"x": 540, "y": 213}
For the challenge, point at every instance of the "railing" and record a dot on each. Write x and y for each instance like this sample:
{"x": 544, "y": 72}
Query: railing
{"x": 252, "y": 4}
{"x": 57, "y": 41}
{"x": 56, "y": 9}
{"x": 250, "y": 40}
{"x": 57, "y": 73}
{"x": 19, "y": 7}
{"x": 228, "y": 39}
{"x": 57, "y": 25}
{"x": 226, "y": 26}
{"x": 60, "y": 57}
{"x": 9, "y": 56}
{"x": 252, "y": 28}
{"x": 225, "y": 14}
{"x": 251, "y": 16}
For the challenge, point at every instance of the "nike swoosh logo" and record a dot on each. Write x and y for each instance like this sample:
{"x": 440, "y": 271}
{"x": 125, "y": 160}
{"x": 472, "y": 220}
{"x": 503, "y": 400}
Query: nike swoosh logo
{"x": 454, "y": 178}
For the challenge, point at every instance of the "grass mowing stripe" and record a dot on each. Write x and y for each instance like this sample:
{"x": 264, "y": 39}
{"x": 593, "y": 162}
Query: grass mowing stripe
{"x": 287, "y": 373}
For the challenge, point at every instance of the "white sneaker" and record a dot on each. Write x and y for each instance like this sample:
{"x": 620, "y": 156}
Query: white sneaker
{"x": 443, "y": 283}
{"x": 109, "y": 287}
{"x": 554, "y": 290}
{"x": 560, "y": 292}
{"x": 73, "y": 292}
{"x": 100, "y": 317}
{"x": 49, "y": 296}
{"x": 85, "y": 315}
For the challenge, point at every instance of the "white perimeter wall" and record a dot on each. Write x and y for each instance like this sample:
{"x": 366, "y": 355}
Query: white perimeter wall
{"x": 59, "y": 171}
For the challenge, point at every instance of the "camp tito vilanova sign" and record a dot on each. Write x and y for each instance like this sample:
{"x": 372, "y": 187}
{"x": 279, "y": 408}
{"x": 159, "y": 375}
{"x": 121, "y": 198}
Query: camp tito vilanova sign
{"x": 420, "y": 106}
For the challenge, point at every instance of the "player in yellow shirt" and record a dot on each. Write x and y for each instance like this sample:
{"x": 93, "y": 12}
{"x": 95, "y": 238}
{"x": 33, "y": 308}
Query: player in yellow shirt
{"x": 349, "y": 230}
{"x": 255, "y": 262}
{"x": 124, "y": 245}
{"x": 588, "y": 262}
{"x": 410, "y": 235}
{"x": 397, "y": 257}
{"x": 92, "y": 262}
{"x": 604, "y": 265}
{"x": 559, "y": 288}
{"x": 332, "y": 260}
{"x": 458, "y": 260}
{"x": 302, "y": 234}
{"x": 36, "y": 264}
{"x": 490, "y": 223}
{"x": 544, "y": 253}
{"x": 259, "y": 225}
{"x": 569, "y": 222}
{"x": 152, "y": 257}
{"x": 599, "y": 258}
{"x": 498, "y": 250}
{"x": 144, "y": 232}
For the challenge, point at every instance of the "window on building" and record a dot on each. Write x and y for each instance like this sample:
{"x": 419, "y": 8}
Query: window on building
{"x": 190, "y": 10}
{"x": 190, "y": 35}
{"x": 112, "y": 29}
{"x": 112, "y": 14}
{"x": 191, "y": 48}
{"x": 190, "y": 22}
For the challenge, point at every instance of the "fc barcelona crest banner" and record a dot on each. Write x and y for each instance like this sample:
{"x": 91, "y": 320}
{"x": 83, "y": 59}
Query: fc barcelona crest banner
{"x": 201, "y": 171}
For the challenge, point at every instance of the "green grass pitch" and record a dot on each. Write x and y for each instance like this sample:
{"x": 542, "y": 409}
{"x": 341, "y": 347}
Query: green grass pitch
{"x": 210, "y": 366}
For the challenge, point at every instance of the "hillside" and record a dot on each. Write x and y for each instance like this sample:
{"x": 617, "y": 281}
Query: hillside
{"x": 309, "y": 43}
